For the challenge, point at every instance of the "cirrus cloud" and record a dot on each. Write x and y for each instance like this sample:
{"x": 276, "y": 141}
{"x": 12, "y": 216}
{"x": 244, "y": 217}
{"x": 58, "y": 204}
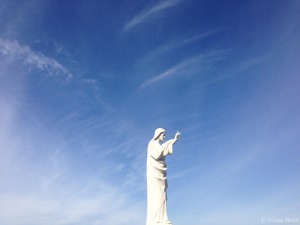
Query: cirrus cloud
{"x": 12, "y": 51}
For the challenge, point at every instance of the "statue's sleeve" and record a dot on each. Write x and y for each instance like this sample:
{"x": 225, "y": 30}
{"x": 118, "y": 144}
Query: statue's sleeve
{"x": 156, "y": 150}
{"x": 167, "y": 147}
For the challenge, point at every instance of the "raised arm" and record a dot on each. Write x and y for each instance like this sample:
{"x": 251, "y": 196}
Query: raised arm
{"x": 167, "y": 147}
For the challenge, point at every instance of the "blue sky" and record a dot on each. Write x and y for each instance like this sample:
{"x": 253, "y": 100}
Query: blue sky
{"x": 84, "y": 84}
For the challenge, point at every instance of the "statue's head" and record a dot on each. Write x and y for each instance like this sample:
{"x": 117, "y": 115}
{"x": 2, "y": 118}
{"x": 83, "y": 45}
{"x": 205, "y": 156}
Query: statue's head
{"x": 159, "y": 134}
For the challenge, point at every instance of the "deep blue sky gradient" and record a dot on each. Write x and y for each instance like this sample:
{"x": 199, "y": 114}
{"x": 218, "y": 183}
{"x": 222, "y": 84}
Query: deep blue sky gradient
{"x": 84, "y": 84}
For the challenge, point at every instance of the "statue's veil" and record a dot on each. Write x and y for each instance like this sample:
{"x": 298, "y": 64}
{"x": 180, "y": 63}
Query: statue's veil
{"x": 157, "y": 132}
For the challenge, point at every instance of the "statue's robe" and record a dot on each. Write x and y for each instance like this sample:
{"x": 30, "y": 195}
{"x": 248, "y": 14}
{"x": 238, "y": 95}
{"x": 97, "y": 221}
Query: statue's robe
{"x": 157, "y": 181}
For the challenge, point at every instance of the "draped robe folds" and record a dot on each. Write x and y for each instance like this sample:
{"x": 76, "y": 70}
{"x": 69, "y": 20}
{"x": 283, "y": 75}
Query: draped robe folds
{"x": 157, "y": 182}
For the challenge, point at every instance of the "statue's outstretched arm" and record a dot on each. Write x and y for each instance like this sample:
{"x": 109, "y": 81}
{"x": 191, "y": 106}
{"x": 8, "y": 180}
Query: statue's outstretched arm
{"x": 168, "y": 145}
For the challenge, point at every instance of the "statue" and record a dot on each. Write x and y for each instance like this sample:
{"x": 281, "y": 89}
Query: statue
{"x": 157, "y": 177}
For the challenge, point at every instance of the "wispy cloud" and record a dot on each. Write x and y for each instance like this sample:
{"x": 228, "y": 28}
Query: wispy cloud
{"x": 198, "y": 61}
{"x": 146, "y": 14}
{"x": 171, "y": 71}
{"x": 40, "y": 188}
{"x": 12, "y": 51}
{"x": 45, "y": 211}
{"x": 178, "y": 43}
{"x": 15, "y": 56}
{"x": 240, "y": 68}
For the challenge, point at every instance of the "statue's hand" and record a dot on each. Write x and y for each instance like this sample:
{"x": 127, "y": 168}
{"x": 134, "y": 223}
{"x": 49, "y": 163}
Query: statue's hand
{"x": 177, "y": 135}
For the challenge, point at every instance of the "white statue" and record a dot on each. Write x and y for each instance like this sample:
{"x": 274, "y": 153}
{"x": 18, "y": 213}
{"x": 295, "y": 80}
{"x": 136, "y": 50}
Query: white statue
{"x": 157, "y": 177}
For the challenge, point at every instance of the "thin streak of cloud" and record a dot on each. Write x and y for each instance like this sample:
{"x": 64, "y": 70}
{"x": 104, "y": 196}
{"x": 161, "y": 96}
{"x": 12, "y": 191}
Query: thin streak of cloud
{"x": 182, "y": 173}
{"x": 178, "y": 43}
{"x": 13, "y": 50}
{"x": 171, "y": 71}
{"x": 144, "y": 15}
{"x": 89, "y": 81}
{"x": 15, "y": 55}
{"x": 240, "y": 68}
{"x": 207, "y": 58}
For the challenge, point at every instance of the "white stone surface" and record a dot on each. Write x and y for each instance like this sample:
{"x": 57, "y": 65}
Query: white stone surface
{"x": 157, "y": 183}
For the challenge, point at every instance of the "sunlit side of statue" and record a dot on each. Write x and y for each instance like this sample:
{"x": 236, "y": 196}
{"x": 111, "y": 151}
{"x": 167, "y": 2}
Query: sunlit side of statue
{"x": 157, "y": 177}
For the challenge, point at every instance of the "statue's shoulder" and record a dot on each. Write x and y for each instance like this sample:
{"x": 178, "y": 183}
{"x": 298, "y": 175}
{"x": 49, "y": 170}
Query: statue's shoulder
{"x": 152, "y": 144}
